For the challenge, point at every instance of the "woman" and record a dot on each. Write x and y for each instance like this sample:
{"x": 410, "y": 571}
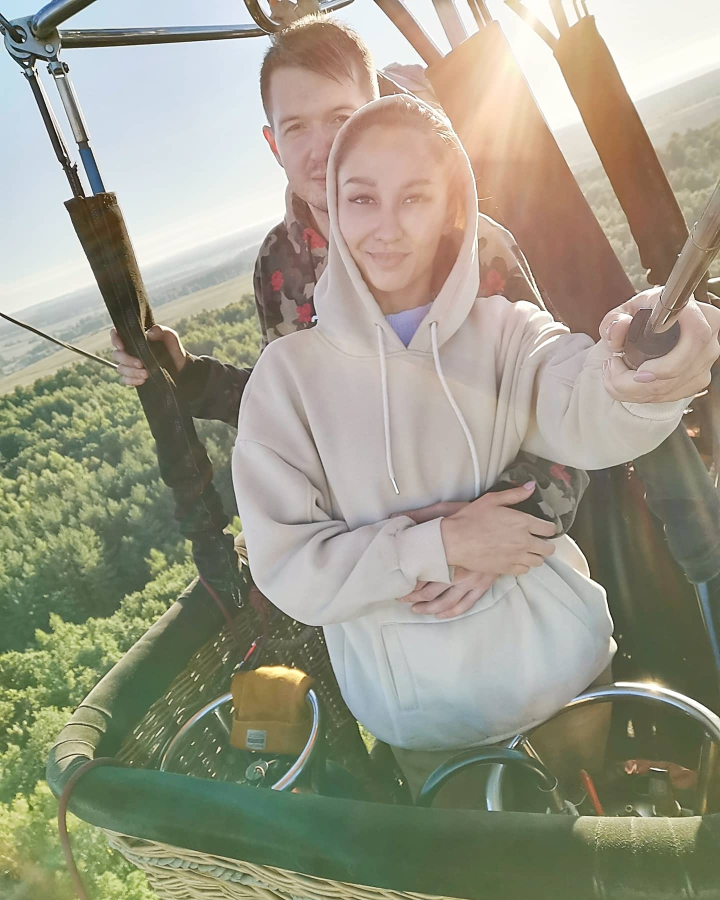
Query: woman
{"x": 427, "y": 395}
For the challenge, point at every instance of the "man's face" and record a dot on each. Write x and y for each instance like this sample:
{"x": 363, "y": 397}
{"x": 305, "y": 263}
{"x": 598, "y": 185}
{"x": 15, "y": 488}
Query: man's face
{"x": 307, "y": 110}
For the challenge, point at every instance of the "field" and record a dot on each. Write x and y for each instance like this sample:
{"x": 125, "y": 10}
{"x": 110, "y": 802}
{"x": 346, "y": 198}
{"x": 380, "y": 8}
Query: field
{"x": 209, "y": 299}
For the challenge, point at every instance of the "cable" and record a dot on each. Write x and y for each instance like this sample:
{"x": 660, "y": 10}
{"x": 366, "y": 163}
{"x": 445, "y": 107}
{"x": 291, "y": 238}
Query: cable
{"x": 537, "y": 26}
{"x": 63, "y": 801}
{"x": 48, "y": 337}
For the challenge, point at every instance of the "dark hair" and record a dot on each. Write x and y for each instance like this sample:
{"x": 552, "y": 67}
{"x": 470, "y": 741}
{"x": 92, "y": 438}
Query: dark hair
{"x": 403, "y": 111}
{"x": 321, "y": 45}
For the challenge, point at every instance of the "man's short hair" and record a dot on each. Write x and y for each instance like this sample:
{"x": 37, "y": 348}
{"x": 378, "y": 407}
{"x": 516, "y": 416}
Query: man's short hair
{"x": 320, "y": 45}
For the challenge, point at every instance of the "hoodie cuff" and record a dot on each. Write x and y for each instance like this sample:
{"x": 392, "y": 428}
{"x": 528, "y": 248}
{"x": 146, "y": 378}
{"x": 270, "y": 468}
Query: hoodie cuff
{"x": 658, "y": 412}
{"x": 421, "y": 553}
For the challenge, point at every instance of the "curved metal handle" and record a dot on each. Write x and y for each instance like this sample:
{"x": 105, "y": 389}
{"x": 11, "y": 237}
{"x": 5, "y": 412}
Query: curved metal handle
{"x": 479, "y": 757}
{"x": 292, "y": 774}
{"x": 270, "y": 25}
{"x": 652, "y": 693}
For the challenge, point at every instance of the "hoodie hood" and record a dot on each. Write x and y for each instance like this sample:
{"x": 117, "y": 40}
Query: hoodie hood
{"x": 348, "y": 314}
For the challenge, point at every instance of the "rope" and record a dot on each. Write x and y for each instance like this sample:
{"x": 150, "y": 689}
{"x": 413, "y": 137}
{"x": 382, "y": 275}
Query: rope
{"x": 48, "y": 337}
{"x": 63, "y": 801}
{"x": 229, "y": 621}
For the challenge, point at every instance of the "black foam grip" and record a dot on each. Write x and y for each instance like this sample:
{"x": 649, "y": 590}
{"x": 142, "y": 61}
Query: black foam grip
{"x": 641, "y": 346}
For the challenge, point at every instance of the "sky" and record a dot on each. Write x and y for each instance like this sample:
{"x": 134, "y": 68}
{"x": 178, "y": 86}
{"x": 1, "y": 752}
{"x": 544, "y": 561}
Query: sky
{"x": 176, "y": 129}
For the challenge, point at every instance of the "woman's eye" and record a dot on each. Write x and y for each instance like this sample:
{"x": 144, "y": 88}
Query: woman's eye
{"x": 341, "y": 119}
{"x": 415, "y": 198}
{"x": 361, "y": 199}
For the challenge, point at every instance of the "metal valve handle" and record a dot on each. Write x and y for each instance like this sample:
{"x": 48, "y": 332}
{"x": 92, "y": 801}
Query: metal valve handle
{"x": 652, "y": 333}
{"x": 297, "y": 768}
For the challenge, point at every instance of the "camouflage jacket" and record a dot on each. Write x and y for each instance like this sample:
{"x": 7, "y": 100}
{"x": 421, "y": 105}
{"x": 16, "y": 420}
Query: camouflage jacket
{"x": 291, "y": 259}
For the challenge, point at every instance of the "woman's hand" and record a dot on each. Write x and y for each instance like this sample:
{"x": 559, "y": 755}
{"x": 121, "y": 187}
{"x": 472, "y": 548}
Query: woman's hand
{"x": 131, "y": 369}
{"x": 683, "y": 372}
{"x": 432, "y": 598}
{"x": 436, "y": 511}
{"x": 488, "y": 537}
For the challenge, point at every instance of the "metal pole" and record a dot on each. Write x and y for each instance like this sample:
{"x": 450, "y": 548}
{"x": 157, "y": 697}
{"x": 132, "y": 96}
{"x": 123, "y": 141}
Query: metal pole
{"x": 53, "y": 129}
{"x": 482, "y": 8}
{"x": 411, "y": 29}
{"x": 710, "y": 619}
{"x": 693, "y": 262}
{"x": 560, "y": 16}
{"x": 59, "y": 71}
{"x": 46, "y": 20}
{"x": 133, "y": 37}
{"x": 451, "y": 21}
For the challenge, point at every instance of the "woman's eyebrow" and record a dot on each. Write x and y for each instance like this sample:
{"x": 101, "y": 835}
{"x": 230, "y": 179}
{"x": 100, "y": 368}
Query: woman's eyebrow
{"x": 369, "y": 182}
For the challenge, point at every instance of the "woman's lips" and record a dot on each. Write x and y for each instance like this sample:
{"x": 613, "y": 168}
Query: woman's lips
{"x": 388, "y": 260}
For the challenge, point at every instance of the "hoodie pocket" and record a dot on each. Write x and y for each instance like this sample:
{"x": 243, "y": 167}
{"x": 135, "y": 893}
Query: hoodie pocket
{"x": 399, "y": 668}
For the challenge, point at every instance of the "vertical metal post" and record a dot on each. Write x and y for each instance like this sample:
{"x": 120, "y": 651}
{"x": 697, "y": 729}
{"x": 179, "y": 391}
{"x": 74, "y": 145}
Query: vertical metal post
{"x": 707, "y": 773}
{"x": 451, "y": 21}
{"x": 561, "y": 19}
{"x": 711, "y": 619}
{"x": 53, "y": 129}
{"x": 59, "y": 72}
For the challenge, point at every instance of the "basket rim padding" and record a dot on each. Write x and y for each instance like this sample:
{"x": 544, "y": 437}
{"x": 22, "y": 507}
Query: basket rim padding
{"x": 444, "y": 852}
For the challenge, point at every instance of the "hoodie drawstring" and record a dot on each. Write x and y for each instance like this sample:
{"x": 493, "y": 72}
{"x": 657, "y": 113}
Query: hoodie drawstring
{"x": 386, "y": 409}
{"x": 448, "y": 393}
{"x": 455, "y": 407}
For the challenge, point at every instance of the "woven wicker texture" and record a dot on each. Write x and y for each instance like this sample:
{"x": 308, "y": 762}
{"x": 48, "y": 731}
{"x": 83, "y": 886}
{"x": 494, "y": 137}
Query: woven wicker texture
{"x": 207, "y": 675}
{"x": 176, "y": 873}
{"x": 185, "y": 875}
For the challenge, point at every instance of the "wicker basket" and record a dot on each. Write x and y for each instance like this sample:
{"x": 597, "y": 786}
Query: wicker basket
{"x": 207, "y": 837}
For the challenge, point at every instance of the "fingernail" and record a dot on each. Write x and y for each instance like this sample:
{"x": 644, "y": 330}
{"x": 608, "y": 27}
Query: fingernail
{"x": 644, "y": 377}
{"x": 608, "y": 330}
{"x": 529, "y": 485}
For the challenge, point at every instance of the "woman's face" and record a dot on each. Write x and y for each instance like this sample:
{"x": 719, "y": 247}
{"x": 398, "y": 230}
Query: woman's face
{"x": 393, "y": 209}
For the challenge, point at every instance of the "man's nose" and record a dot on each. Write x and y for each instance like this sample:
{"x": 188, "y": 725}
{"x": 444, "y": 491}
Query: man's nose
{"x": 322, "y": 142}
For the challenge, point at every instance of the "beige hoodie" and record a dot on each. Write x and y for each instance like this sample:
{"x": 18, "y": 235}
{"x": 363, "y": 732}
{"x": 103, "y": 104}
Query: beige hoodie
{"x": 356, "y": 413}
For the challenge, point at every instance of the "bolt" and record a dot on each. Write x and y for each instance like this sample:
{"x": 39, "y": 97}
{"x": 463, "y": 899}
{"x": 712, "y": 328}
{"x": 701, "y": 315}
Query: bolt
{"x": 49, "y": 48}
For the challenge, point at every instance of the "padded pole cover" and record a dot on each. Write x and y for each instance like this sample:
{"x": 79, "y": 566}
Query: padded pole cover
{"x": 627, "y": 155}
{"x": 525, "y": 182}
{"x": 184, "y": 464}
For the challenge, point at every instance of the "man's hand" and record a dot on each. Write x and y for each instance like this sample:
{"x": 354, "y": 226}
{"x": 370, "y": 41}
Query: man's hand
{"x": 445, "y": 602}
{"x": 488, "y": 537}
{"x": 131, "y": 369}
{"x": 683, "y": 372}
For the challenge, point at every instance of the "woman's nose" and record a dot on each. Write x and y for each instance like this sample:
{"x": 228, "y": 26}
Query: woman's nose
{"x": 388, "y": 228}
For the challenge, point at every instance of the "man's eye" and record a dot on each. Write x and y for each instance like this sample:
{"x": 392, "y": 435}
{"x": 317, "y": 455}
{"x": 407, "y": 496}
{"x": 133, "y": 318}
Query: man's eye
{"x": 341, "y": 119}
{"x": 296, "y": 126}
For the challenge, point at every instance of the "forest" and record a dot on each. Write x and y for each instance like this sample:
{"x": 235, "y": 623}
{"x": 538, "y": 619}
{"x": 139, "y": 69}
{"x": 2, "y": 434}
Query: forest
{"x": 90, "y": 555}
